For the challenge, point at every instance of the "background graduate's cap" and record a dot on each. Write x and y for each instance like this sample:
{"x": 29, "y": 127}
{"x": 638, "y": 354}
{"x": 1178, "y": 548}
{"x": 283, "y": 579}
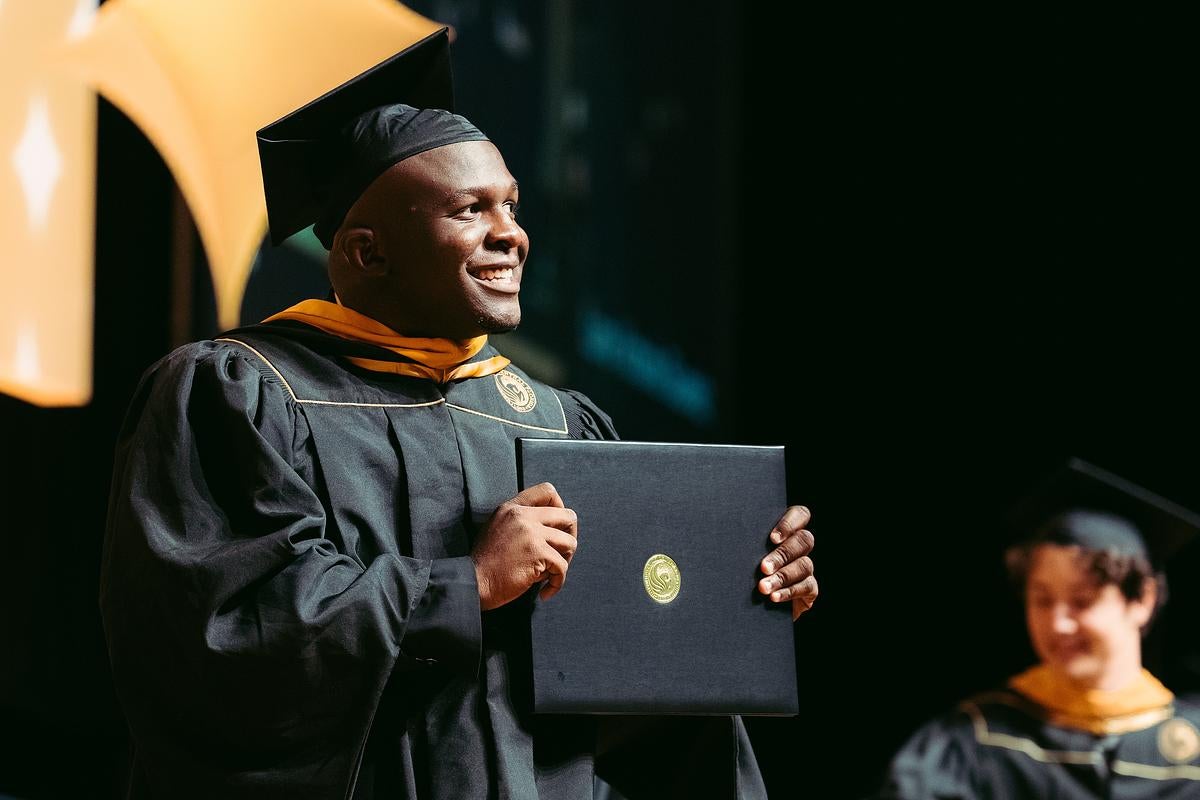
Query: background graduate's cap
{"x": 1082, "y": 504}
{"x": 318, "y": 159}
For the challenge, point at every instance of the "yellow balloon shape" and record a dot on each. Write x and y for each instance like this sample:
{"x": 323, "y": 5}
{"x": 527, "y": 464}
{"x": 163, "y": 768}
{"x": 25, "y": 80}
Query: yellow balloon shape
{"x": 199, "y": 77}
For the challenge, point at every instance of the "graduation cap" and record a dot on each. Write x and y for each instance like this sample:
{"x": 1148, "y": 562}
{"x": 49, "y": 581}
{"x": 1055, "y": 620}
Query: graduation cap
{"x": 318, "y": 160}
{"x": 1082, "y": 504}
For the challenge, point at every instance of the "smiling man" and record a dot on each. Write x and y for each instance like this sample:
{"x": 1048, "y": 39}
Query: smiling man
{"x": 318, "y": 571}
{"x": 1088, "y": 722}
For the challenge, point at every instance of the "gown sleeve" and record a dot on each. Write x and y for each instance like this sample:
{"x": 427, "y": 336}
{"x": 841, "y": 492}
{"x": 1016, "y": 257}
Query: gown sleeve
{"x": 248, "y": 653}
{"x": 585, "y": 420}
{"x": 938, "y": 762}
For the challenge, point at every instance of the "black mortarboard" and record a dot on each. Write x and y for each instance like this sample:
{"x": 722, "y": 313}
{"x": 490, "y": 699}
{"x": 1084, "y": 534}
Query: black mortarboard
{"x": 1082, "y": 504}
{"x": 317, "y": 160}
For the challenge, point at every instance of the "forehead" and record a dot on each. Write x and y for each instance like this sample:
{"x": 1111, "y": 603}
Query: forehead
{"x": 1056, "y": 564}
{"x": 440, "y": 173}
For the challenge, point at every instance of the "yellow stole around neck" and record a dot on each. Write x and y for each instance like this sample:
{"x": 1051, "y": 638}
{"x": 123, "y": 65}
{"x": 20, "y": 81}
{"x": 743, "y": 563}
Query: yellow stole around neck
{"x": 1099, "y": 711}
{"x": 440, "y": 360}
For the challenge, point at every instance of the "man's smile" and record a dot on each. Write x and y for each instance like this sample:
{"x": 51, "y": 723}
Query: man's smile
{"x": 500, "y": 279}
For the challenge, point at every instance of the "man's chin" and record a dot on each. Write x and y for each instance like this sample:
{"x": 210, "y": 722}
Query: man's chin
{"x": 1083, "y": 669}
{"x": 497, "y": 325}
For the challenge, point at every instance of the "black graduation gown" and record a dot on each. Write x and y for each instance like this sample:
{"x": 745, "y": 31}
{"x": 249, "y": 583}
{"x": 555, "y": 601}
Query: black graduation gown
{"x": 1001, "y": 746}
{"x": 289, "y": 604}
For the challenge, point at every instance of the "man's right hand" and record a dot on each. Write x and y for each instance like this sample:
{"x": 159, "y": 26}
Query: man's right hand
{"x": 529, "y": 539}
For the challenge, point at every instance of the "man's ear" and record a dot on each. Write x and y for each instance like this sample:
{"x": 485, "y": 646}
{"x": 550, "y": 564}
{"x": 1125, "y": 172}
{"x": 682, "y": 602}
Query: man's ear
{"x": 1143, "y": 607}
{"x": 359, "y": 249}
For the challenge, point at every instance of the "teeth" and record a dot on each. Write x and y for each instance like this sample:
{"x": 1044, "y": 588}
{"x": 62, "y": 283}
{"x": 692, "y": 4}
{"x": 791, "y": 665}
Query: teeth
{"x": 496, "y": 274}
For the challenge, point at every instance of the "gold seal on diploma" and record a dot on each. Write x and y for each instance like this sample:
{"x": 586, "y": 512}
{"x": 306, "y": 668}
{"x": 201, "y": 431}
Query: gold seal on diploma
{"x": 662, "y": 578}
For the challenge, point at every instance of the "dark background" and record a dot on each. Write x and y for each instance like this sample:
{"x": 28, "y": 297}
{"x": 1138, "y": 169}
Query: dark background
{"x": 932, "y": 255}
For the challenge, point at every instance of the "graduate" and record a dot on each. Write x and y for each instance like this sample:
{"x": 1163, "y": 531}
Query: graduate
{"x": 318, "y": 572}
{"x": 1088, "y": 721}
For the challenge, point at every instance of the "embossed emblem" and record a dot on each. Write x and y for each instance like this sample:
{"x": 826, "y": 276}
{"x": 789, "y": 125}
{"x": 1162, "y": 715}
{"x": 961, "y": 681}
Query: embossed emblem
{"x": 515, "y": 391}
{"x": 1178, "y": 740}
{"x": 661, "y": 577}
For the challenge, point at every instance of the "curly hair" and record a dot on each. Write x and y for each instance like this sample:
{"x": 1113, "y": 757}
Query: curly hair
{"x": 1129, "y": 573}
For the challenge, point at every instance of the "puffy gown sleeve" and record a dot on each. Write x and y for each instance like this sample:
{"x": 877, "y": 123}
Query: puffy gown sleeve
{"x": 584, "y": 418}
{"x": 248, "y": 653}
{"x": 938, "y": 762}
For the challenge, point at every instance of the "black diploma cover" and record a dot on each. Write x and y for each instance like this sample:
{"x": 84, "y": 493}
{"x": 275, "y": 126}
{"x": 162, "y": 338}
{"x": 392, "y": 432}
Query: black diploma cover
{"x": 660, "y": 612}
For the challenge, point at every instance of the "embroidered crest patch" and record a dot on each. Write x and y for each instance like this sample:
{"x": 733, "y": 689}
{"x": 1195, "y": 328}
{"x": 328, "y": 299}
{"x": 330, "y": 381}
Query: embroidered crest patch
{"x": 1178, "y": 740}
{"x": 515, "y": 391}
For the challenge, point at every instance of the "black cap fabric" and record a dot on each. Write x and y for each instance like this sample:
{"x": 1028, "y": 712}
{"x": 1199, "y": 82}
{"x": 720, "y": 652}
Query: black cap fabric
{"x": 374, "y": 141}
{"x": 318, "y": 160}
{"x": 1082, "y": 504}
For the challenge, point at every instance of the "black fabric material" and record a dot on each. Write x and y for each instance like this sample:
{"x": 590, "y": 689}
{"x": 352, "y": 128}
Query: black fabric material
{"x": 1094, "y": 530}
{"x": 301, "y": 153}
{"x": 946, "y": 759}
{"x": 285, "y": 590}
{"x": 584, "y": 420}
{"x": 628, "y": 754}
{"x": 450, "y": 601}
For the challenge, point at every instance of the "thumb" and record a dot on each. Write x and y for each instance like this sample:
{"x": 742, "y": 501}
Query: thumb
{"x": 542, "y": 494}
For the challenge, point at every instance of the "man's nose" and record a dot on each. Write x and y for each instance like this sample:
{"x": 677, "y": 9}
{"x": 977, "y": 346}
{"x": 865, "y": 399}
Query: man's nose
{"x": 1063, "y": 620}
{"x": 505, "y": 233}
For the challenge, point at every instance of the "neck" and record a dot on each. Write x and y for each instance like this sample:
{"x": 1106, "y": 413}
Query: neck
{"x": 381, "y": 313}
{"x": 376, "y": 311}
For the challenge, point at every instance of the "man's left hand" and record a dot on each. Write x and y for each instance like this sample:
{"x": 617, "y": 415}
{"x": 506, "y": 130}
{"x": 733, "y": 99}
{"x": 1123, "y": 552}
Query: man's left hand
{"x": 788, "y": 568}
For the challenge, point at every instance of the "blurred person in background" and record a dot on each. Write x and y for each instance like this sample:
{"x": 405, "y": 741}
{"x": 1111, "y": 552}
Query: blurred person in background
{"x": 1088, "y": 721}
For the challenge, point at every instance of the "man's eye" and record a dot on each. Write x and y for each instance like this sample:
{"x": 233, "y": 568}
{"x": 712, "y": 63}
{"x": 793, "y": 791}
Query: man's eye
{"x": 513, "y": 208}
{"x": 467, "y": 211}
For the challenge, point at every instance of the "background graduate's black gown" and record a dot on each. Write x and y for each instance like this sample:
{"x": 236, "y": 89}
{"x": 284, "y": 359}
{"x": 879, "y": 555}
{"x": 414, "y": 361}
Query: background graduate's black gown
{"x": 1000, "y": 746}
{"x": 289, "y": 603}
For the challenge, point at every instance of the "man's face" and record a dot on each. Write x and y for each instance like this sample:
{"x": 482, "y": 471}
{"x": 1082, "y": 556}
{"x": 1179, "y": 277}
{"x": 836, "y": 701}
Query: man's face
{"x": 446, "y": 223}
{"x": 1079, "y": 628}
